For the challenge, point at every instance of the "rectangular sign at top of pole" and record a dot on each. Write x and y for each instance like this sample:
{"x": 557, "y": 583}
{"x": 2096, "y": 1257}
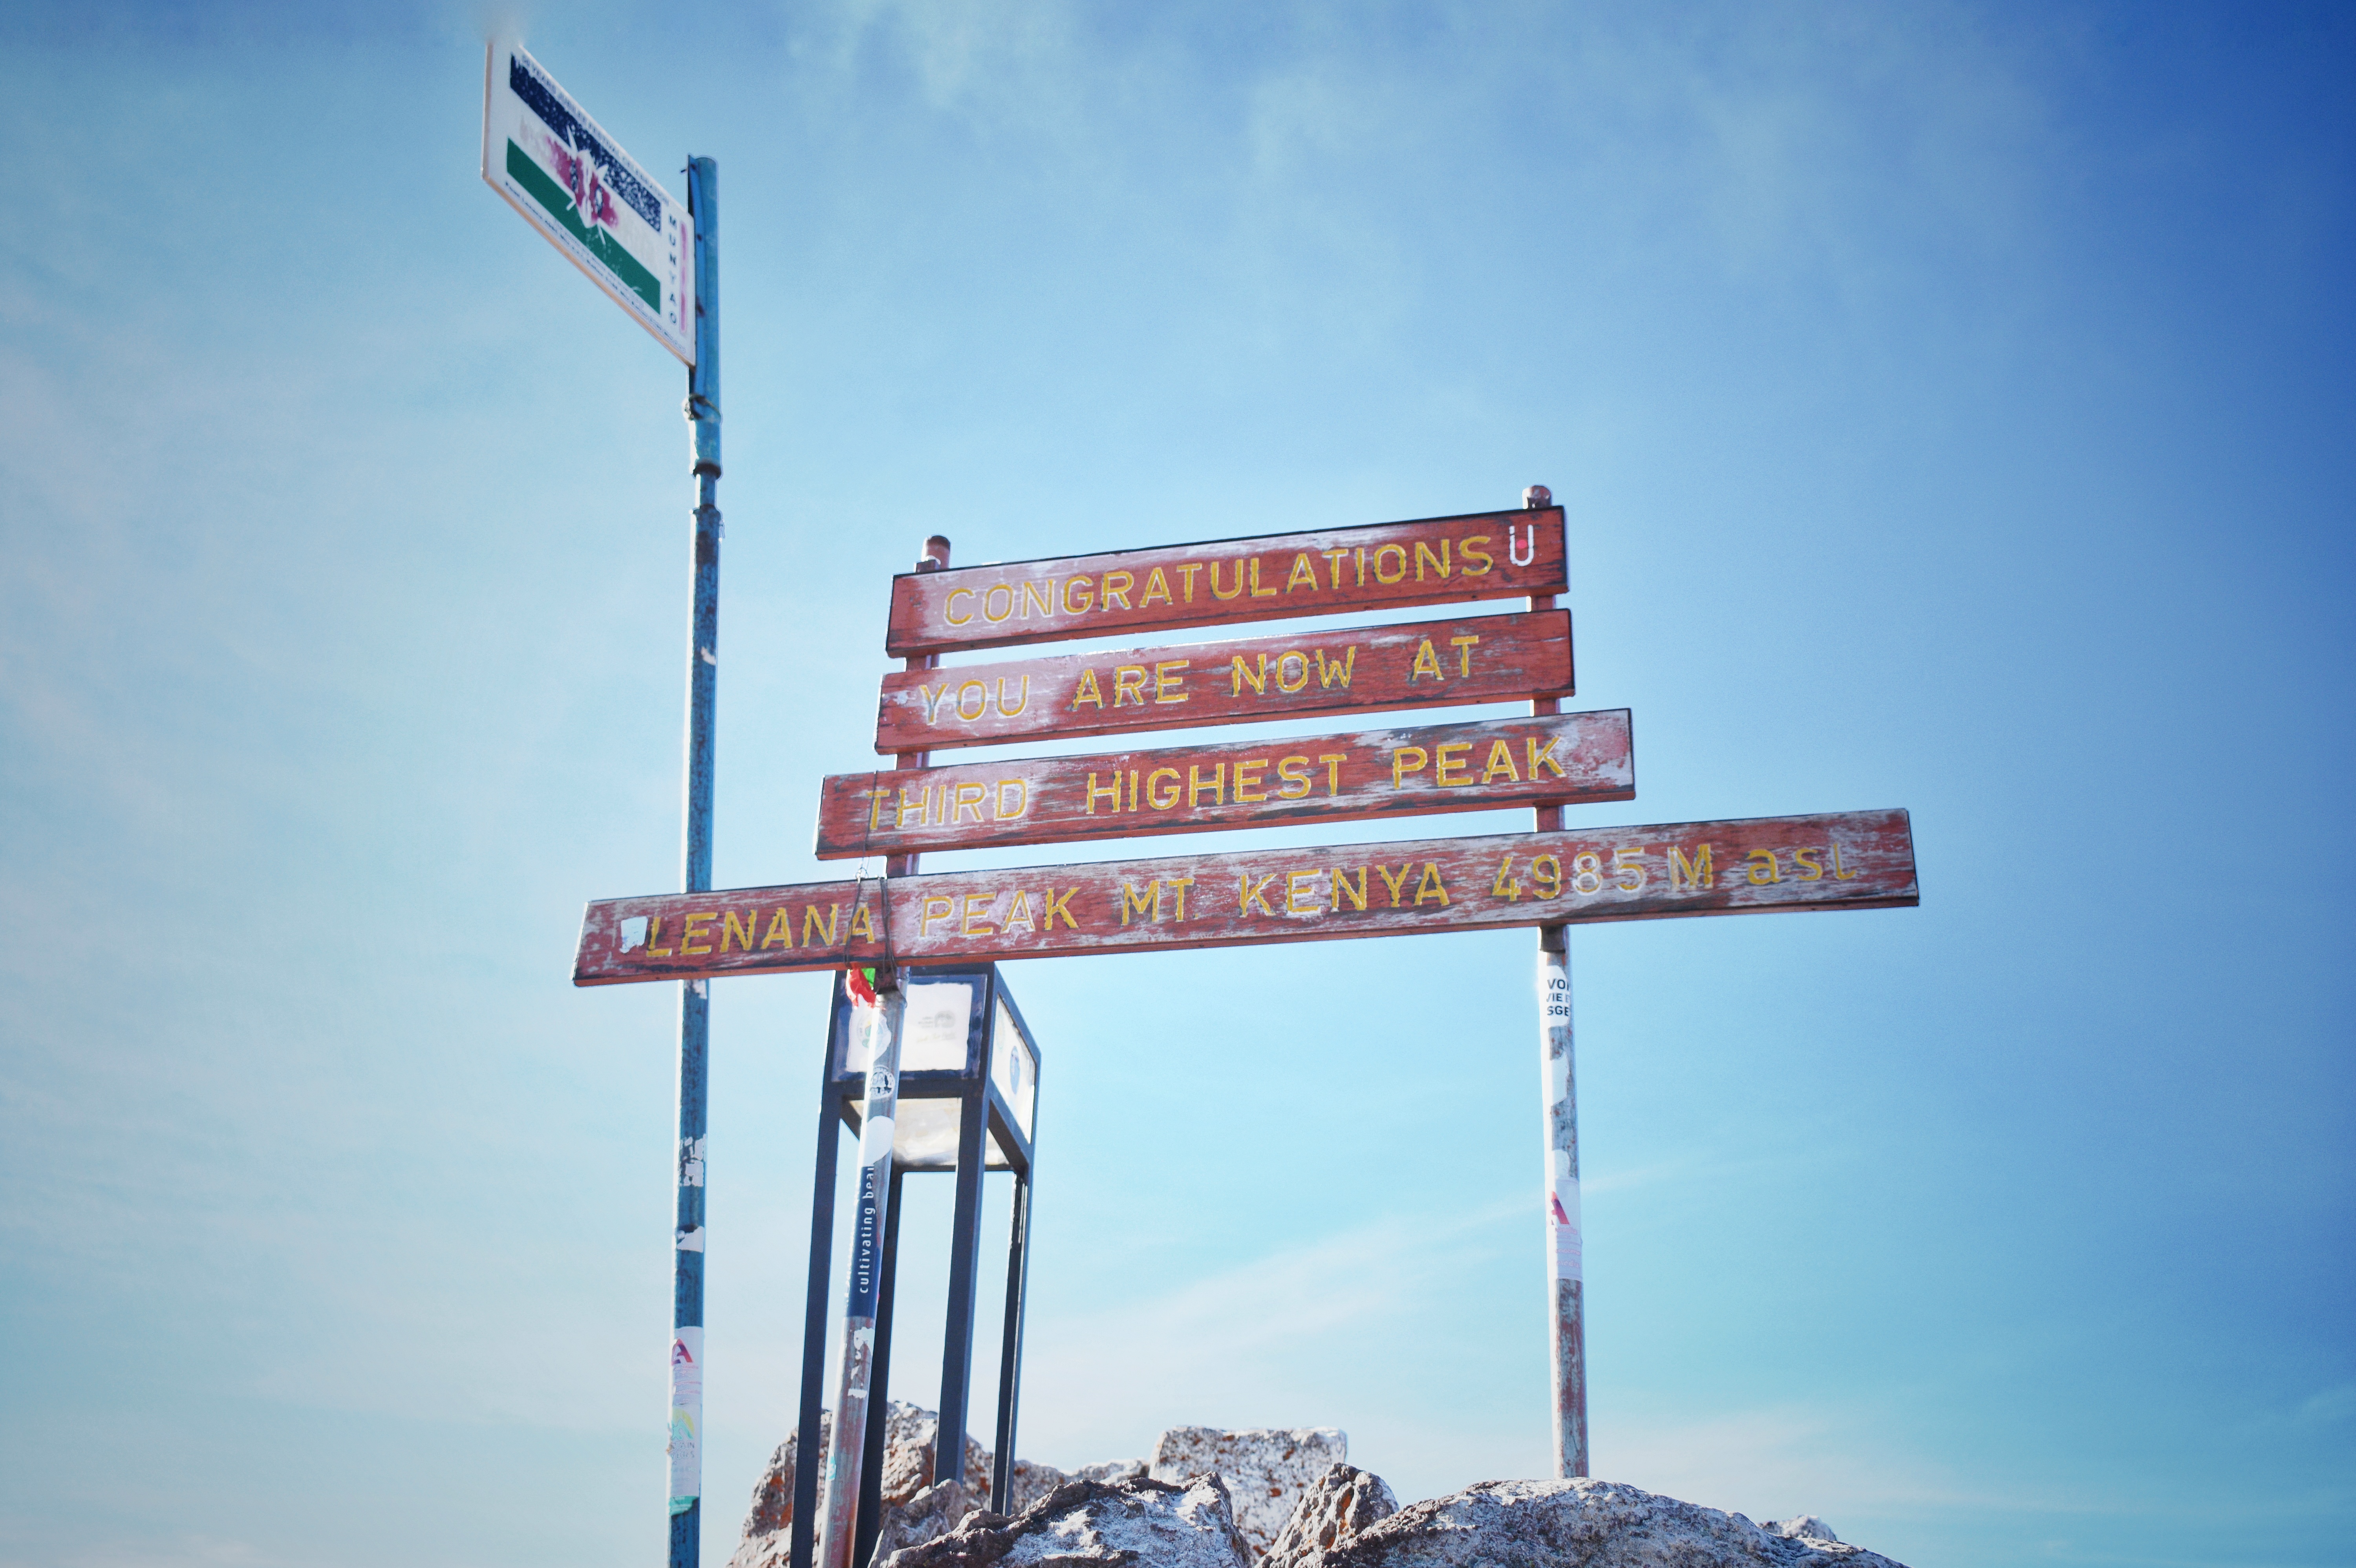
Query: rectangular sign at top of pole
{"x": 558, "y": 167}
{"x": 1435, "y": 561}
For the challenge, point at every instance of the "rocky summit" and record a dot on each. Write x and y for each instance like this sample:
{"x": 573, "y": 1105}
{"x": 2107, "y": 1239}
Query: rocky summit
{"x": 1282, "y": 1498}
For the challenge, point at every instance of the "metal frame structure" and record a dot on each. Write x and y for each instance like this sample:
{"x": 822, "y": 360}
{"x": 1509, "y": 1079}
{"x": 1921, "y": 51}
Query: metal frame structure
{"x": 992, "y": 1133}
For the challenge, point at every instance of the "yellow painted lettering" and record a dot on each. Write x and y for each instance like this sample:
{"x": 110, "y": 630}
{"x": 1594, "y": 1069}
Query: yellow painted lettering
{"x": 1302, "y": 575}
{"x": 1810, "y": 868}
{"x": 966, "y": 926}
{"x": 1293, "y": 773}
{"x": 1426, "y": 662}
{"x": 949, "y": 607}
{"x": 1021, "y": 788}
{"x": 1501, "y": 760}
{"x": 688, "y": 933}
{"x": 1166, "y": 680}
{"x": 1431, "y": 887}
{"x": 1087, "y": 692}
{"x": 1423, "y": 555}
{"x": 1017, "y": 916}
{"x": 1342, "y": 885}
{"x": 1762, "y": 868}
{"x": 1116, "y": 589}
{"x": 1194, "y": 785}
{"x": 1396, "y": 883}
{"x": 1086, "y": 588}
{"x": 1464, "y": 646}
{"x": 937, "y": 906}
{"x": 1157, "y": 589}
{"x": 1219, "y": 593}
{"x": 1056, "y": 907}
{"x": 1154, "y": 795}
{"x": 1248, "y": 778}
{"x": 822, "y": 930}
{"x": 1239, "y": 675}
{"x": 1470, "y": 552}
{"x": 1452, "y": 772}
{"x": 1543, "y": 757}
{"x": 1257, "y": 591}
{"x": 780, "y": 932}
{"x": 1397, "y": 550}
{"x": 1252, "y": 895}
{"x": 1693, "y": 871}
{"x": 1128, "y": 685}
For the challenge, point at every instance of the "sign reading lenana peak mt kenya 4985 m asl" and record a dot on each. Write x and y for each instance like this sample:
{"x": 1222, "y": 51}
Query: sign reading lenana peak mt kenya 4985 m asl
{"x": 1850, "y": 860}
{"x": 576, "y": 185}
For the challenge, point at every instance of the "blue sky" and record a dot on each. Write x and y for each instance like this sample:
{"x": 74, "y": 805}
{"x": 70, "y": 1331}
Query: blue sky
{"x": 1953, "y": 408}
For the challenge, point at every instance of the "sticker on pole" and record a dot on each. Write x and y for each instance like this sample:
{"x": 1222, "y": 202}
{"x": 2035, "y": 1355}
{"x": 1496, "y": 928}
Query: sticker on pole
{"x": 576, "y": 185}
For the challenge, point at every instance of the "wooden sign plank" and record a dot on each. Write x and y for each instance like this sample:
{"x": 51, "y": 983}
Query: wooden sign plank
{"x": 1421, "y": 665}
{"x": 1478, "y": 766}
{"x": 1314, "y": 893}
{"x": 1433, "y": 561}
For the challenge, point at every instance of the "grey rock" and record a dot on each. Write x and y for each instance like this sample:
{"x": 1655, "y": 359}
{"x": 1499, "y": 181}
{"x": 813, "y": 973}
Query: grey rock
{"x": 1112, "y": 1470}
{"x": 1268, "y": 1470}
{"x": 930, "y": 1514}
{"x": 1339, "y": 1505}
{"x": 1802, "y": 1527}
{"x": 908, "y": 1434}
{"x": 1577, "y": 1524}
{"x": 768, "y": 1536}
{"x": 1137, "y": 1522}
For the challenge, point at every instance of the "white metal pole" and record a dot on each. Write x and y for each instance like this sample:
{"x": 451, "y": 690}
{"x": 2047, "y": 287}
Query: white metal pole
{"x": 846, "y": 1449}
{"x": 1558, "y": 1093}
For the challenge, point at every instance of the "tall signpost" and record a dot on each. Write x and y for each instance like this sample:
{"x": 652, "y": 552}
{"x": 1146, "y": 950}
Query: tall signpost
{"x": 1551, "y": 878}
{"x": 660, "y": 262}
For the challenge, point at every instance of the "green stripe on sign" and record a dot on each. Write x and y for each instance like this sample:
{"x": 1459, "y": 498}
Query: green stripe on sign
{"x": 602, "y": 245}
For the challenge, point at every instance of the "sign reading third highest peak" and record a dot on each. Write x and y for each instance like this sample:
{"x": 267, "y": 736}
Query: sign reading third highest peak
{"x": 1435, "y": 561}
{"x": 1415, "y": 664}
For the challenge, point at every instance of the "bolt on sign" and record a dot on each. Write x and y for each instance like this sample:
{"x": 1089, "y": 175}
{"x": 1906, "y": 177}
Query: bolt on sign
{"x": 1479, "y": 658}
{"x": 574, "y": 184}
{"x": 1852, "y": 860}
{"x": 1550, "y": 759}
{"x": 1389, "y": 565}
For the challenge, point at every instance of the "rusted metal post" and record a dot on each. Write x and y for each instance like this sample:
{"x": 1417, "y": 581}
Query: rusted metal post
{"x": 847, "y": 1452}
{"x": 695, "y": 995}
{"x": 1558, "y": 1089}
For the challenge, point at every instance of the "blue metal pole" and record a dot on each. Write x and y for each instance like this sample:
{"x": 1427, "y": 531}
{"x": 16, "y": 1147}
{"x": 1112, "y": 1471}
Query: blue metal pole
{"x": 695, "y": 996}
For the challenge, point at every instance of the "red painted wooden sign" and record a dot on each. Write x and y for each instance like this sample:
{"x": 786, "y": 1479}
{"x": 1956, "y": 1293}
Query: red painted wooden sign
{"x": 1435, "y": 561}
{"x": 1471, "y": 766}
{"x": 1479, "y": 658}
{"x": 1843, "y": 861}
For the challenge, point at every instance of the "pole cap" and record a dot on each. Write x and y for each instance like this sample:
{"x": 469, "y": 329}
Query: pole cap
{"x": 1536, "y": 496}
{"x": 936, "y": 555}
